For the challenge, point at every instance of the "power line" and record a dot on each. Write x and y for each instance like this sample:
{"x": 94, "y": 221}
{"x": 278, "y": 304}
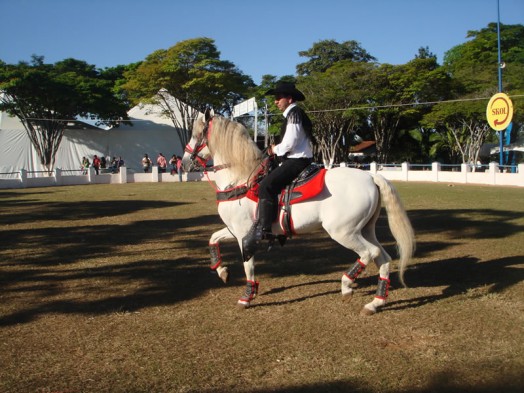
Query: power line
{"x": 397, "y": 105}
{"x": 408, "y": 104}
{"x": 319, "y": 111}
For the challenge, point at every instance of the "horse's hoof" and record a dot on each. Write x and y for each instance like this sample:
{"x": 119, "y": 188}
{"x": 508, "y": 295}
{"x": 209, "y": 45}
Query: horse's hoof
{"x": 346, "y": 297}
{"x": 243, "y": 304}
{"x": 367, "y": 312}
{"x": 224, "y": 275}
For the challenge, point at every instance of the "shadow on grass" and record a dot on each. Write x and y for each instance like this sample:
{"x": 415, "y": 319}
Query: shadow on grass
{"x": 460, "y": 275}
{"x": 29, "y": 211}
{"x": 316, "y": 254}
{"x": 450, "y": 381}
{"x": 65, "y": 245}
{"x": 42, "y": 277}
{"x": 166, "y": 284}
{"x": 181, "y": 279}
{"x": 467, "y": 223}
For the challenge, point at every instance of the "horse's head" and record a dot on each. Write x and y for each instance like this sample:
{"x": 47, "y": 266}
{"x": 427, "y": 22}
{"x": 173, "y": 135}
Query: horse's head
{"x": 196, "y": 151}
{"x": 227, "y": 142}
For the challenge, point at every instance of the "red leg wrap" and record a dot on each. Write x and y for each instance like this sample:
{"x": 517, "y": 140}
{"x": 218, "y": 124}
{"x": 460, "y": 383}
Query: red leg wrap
{"x": 355, "y": 270}
{"x": 251, "y": 291}
{"x": 383, "y": 288}
{"x": 216, "y": 258}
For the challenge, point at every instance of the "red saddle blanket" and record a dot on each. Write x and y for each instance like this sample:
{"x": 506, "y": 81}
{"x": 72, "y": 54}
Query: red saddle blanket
{"x": 302, "y": 191}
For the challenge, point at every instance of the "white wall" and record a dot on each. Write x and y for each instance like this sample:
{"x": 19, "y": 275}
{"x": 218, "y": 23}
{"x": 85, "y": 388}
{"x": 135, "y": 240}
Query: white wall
{"x": 492, "y": 176}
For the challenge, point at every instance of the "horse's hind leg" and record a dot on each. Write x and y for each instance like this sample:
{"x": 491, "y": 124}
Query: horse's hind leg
{"x": 367, "y": 252}
{"x": 216, "y": 257}
{"x": 382, "y": 261}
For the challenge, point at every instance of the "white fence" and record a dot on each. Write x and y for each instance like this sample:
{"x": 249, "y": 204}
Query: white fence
{"x": 60, "y": 177}
{"x": 489, "y": 175}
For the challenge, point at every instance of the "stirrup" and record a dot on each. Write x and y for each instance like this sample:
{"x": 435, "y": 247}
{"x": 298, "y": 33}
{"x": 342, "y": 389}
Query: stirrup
{"x": 281, "y": 240}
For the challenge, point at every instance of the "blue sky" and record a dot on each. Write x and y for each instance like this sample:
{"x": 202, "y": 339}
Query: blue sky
{"x": 259, "y": 37}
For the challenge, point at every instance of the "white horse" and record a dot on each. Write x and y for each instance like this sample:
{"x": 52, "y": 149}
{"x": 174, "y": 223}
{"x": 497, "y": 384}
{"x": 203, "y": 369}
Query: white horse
{"x": 347, "y": 207}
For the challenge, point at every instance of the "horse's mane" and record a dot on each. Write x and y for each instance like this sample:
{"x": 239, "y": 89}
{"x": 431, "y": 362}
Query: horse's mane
{"x": 230, "y": 141}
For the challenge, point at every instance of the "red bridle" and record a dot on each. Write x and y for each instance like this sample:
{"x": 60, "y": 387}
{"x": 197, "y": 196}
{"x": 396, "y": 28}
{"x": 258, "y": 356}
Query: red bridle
{"x": 222, "y": 195}
{"x": 200, "y": 145}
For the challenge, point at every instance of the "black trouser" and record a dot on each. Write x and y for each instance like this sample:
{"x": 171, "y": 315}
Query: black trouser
{"x": 271, "y": 186}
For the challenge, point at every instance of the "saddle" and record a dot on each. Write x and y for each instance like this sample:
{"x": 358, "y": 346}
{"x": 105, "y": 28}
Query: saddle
{"x": 308, "y": 184}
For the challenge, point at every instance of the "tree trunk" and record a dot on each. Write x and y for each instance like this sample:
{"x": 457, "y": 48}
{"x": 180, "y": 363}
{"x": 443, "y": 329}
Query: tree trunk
{"x": 45, "y": 136}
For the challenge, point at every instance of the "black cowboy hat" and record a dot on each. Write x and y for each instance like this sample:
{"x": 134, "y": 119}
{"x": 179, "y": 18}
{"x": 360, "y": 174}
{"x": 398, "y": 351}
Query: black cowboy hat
{"x": 286, "y": 89}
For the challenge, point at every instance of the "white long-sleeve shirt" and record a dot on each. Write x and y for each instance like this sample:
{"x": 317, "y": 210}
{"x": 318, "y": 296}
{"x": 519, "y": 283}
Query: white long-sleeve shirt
{"x": 295, "y": 141}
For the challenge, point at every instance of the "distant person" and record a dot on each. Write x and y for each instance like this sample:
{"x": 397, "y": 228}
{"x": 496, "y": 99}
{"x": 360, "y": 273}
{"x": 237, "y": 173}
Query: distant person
{"x": 172, "y": 162}
{"x": 146, "y": 163}
{"x": 116, "y": 163}
{"x": 103, "y": 163}
{"x": 113, "y": 165}
{"x": 96, "y": 164}
{"x": 179, "y": 167}
{"x": 85, "y": 165}
{"x": 162, "y": 163}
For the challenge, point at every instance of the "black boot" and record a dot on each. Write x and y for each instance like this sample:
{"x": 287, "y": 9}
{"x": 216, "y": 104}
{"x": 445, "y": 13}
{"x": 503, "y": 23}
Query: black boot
{"x": 260, "y": 230}
{"x": 251, "y": 241}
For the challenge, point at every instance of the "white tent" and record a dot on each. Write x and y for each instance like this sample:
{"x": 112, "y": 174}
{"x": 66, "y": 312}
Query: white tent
{"x": 150, "y": 133}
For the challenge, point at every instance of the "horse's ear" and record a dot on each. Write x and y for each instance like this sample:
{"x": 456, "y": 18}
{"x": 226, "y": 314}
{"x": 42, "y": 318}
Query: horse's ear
{"x": 208, "y": 114}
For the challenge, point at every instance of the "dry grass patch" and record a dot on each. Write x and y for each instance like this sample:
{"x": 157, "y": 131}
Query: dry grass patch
{"x": 107, "y": 289}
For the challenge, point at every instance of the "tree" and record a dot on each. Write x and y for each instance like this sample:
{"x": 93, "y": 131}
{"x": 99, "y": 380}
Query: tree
{"x": 474, "y": 68}
{"x": 475, "y": 62}
{"x": 332, "y": 99}
{"x": 45, "y": 97}
{"x": 425, "y": 53}
{"x": 397, "y": 97}
{"x": 193, "y": 73}
{"x": 116, "y": 76}
{"x": 466, "y": 123}
{"x": 326, "y": 53}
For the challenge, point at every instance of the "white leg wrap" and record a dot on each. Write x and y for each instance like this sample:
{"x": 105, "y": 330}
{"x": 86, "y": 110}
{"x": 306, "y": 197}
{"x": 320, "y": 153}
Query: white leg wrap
{"x": 345, "y": 285}
{"x": 375, "y": 304}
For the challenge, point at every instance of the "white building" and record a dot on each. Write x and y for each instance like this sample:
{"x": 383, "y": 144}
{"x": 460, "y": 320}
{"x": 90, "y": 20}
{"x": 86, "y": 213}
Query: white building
{"x": 151, "y": 133}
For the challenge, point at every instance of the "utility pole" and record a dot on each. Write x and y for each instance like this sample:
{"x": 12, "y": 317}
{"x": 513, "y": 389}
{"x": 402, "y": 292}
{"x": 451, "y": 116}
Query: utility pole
{"x": 266, "y": 119}
{"x": 501, "y": 133}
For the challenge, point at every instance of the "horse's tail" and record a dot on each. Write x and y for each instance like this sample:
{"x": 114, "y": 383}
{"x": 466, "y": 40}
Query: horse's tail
{"x": 399, "y": 223}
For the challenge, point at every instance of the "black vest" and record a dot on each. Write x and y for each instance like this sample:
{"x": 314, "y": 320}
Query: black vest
{"x": 297, "y": 116}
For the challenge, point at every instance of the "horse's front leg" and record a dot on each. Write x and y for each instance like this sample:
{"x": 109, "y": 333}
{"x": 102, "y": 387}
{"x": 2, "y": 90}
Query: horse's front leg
{"x": 251, "y": 284}
{"x": 216, "y": 257}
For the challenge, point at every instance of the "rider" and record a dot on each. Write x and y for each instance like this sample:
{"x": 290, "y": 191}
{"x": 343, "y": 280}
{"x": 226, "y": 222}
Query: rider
{"x": 294, "y": 152}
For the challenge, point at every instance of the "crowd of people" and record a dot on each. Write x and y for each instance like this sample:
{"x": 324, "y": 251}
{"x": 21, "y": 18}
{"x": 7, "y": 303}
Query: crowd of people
{"x": 101, "y": 163}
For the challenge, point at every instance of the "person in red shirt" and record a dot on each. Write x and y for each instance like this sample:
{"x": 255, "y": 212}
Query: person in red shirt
{"x": 96, "y": 164}
{"x": 162, "y": 163}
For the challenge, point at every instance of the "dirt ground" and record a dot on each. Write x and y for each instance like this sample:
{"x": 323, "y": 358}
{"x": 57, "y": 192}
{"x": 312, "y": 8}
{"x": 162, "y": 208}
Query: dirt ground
{"x": 107, "y": 289}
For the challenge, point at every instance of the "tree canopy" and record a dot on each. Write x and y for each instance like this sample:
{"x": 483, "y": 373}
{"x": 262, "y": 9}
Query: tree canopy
{"x": 419, "y": 110}
{"x": 193, "y": 73}
{"x": 475, "y": 62}
{"x": 342, "y": 88}
{"x": 473, "y": 67}
{"x": 323, "y": 54}
{"x": 45, "y": 97}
